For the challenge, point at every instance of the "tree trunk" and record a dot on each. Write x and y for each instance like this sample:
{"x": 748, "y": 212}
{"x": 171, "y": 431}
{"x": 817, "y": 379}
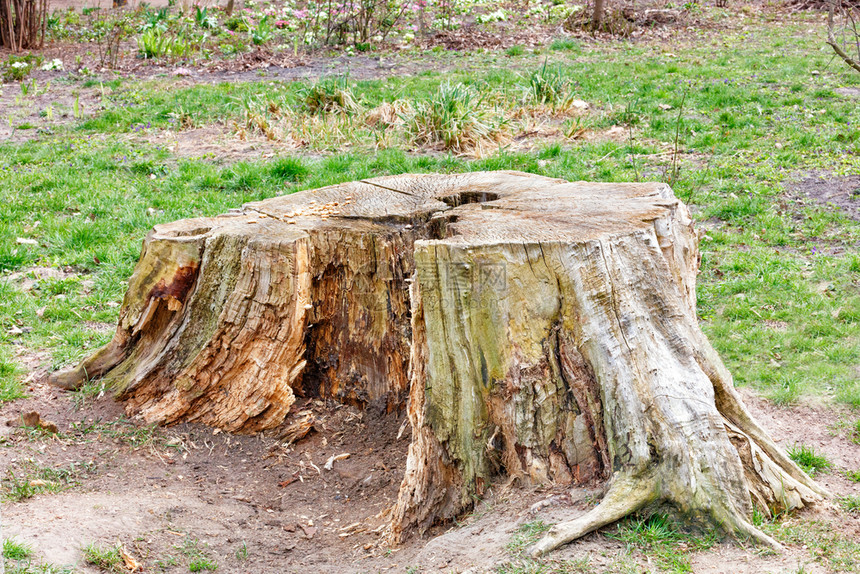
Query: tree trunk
{"x": 597, "y": 14}
{"x": 549, "y": 329}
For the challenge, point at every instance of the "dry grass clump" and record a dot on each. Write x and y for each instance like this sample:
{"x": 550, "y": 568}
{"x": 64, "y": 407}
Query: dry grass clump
{"x": 331, "y": 95}
{"x": 388, "y": 114}
{"x": 456, "y": 119}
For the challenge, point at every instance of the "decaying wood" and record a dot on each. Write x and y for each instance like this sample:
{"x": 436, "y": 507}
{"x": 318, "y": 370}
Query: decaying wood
{"x": 545, "y": 332}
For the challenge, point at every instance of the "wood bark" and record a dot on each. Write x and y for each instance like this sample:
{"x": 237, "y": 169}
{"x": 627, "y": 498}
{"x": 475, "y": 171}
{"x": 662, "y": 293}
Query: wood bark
{"x": 545, "y": 332}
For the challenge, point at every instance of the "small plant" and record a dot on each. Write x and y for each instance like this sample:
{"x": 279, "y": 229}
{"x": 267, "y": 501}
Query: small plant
{"x": 201, "y": 564}
{"x": 853, "y": 475}
{"x": 548, "y": 86}
{"x": 808, "y": 460}
{"x": 14, "y": 550}
{"x": 330, "y": 95}
{"x": 851, "y": 504}
{"x": 203, "y": 18}
{"x": 515, "y": 51}
{"x": 153, "y": 19}
{"x": 154, "y": 43}
{"x": 17, "y": 68}
{"x": 242, "y": 552}
{"x": 86, "y": 392}
{"x": 263, "y": 32}
{"x": 199, "y": 561}
{"x": 107, "y": 558}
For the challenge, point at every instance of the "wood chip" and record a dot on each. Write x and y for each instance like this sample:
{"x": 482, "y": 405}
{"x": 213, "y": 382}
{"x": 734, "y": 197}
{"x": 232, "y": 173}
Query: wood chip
{"x": 330, "y": 463}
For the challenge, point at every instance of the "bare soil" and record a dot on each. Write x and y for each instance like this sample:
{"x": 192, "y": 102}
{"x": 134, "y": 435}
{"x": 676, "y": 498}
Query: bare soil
{"x": 827, "y": 189}
{"x": 254, "y": 505}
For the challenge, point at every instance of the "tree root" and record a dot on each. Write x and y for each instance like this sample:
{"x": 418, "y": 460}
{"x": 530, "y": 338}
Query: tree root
{"x": 626, "y": 495}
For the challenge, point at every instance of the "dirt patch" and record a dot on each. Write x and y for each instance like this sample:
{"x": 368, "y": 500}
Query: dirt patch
{"x": 848, "y": 92}
{"x": 843, "y": 192}
{"x": 161, "y": 491}
{"x": 818, "y": 426}
{"x": 217, "y": 142}
{"x": 255, "y": 505}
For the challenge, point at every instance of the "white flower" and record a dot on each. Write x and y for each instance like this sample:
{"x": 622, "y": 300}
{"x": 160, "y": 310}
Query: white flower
{"x": 55, "y": 64}
{"x": 19, "y": 64}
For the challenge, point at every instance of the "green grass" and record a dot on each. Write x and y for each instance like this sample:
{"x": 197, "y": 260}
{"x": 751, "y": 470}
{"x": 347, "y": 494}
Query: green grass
{"x": 11, "y": 387}
{"x": 526, "y": 535}
{"x": 27, "y": 479}
{"x": 133, "y": 435}
{"x": 14, "y": 550}
{"x": 827, "y": 545}
{"x": 198, "y": 556}
{"x": 519, "y": 563}
{"x": 106, "y": 558}
{"x": 201, "y": 564}
{"x": 808, "y": 460}
{"x": 29, "y": 567}
{"x": 851, "y": 504}
{"x": 657, "y": 537}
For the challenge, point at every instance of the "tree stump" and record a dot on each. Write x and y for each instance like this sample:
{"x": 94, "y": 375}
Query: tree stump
{"x": 544, "y": 331}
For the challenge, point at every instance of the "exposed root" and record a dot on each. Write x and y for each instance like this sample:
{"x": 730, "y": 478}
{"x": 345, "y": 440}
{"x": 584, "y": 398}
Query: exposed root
{"x": 626, "y": 495}
{"x": 744, "y": 528}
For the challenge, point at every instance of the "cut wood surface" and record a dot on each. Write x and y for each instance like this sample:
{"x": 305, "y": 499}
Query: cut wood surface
{"x": 544, "y": 332}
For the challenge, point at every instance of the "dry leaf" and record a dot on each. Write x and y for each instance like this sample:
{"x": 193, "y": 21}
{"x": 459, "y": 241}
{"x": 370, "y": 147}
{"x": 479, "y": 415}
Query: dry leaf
{"x": 130, "y": 563}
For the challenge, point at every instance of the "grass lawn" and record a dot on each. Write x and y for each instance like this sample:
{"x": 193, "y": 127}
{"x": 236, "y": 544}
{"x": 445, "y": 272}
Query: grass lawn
{"x": 779, "y": 293}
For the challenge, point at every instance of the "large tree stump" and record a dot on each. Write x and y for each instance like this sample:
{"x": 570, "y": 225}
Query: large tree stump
{"x": 544, "y": 331}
